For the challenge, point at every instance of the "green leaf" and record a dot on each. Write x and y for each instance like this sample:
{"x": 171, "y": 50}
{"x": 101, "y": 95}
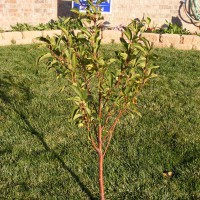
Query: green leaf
{"x": 74, "y": 112}
{"x": 53, "y": 41}
{"x": 84, "y": 30}
{"x": 67, "y": 20}
{"x": 132, "y": 62}
{"x": 75, "y": 99}
{"x": 140, "y": 47}
{"x": 128, "y": 33}
{"x": 111, "y": 60}
{"x": 128, "y": 89}
{"x": 44, "y": 39}
{"x": 88, "y": 111}
{"x": 43, "y": 57}
{"x": 110, "y": 80}
{"x": 77, "y": 91}
{"x": 76, "y": 116}
{"x": 75, "y": 10}
{"x": 125, "y": 44}
{"x": 154, "y": 67}
{"x": 148, "y": 20}
{"x": 89, "y": 67}
{"x": 141, "y": 64}
{"x": 74, "y": 60}
{"x": 66, "y": 32}
{"x": 98, "y": 43}
{"x": 124, "y": 55}
{"x": 146, "y": 43}
{"x": 80, "y": 125}
{"x": 101, "y": 61}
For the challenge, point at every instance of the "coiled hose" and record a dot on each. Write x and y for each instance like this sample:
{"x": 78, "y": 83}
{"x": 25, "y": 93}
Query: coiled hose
{"x": 192, "y": 9}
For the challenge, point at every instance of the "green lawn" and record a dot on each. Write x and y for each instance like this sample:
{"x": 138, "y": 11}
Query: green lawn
{"x": 42, "y": 156}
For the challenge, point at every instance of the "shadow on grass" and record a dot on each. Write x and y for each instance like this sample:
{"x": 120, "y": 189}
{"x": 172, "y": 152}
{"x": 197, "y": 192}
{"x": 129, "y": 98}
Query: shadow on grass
{"x": 7, "y": 84}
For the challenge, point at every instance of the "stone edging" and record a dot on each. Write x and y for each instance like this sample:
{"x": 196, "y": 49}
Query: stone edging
{"x": 25, "y": 37}
{"x": 184, "y": 42}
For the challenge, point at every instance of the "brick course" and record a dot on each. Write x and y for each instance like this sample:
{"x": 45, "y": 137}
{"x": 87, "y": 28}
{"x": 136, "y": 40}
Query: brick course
{"x": 186, "y": 42}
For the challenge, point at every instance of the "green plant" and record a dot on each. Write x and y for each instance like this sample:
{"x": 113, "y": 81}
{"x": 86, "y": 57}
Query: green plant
{"x": 169, "y": 27}
{"x": 55, "y": 24}
{"x": 51, "y": 25}
{"x": 22, "y": 27}
{"x": 150, "y": 28}
{"x": 173, "y": 29}
{"x": 42, "y": 27}
{"x": 104, "y": 90}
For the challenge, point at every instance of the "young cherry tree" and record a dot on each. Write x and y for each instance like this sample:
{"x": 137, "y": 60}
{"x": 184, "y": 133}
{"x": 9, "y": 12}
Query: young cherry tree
{"x": 104, "y": 90}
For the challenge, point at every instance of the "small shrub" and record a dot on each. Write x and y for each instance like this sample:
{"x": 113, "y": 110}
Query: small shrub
{"x": 104, "y": 90}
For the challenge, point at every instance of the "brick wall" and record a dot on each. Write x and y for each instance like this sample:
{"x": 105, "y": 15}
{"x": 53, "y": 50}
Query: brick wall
{"x": 38, "y": 11}
{"x": 158, "y": 10}
{"x": 26, "y": 11}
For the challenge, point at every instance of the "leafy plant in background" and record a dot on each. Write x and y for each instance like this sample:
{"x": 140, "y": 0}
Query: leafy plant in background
{"x": 22, "y": 27}
{"x": 42, "y": 27}
{"x": 55, "y": 24}
{"x": 52, "y": 25}
{"x": 169, "y": 28}
{"x": 149, "y": 28}
{"x": 172, "y": 28}
{"x": 104, "y": 90}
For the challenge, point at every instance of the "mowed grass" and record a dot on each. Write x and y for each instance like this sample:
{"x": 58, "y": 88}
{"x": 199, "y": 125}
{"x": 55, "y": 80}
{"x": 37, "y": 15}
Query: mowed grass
{"x": 43, "y": 156}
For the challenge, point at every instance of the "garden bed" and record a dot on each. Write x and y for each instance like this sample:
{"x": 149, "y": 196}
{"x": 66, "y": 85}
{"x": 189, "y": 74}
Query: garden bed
{"x": 184, "y": 42}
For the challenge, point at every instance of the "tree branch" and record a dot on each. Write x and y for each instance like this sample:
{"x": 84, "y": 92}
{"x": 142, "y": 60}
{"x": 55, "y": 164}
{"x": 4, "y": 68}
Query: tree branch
{"x": 112, "y": 128}
{"x": 94, "y": 144}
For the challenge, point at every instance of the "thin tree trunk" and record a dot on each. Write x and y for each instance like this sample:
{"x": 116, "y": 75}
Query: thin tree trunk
{"x": 100, "y": 152}
{"x": 101, "y": 157}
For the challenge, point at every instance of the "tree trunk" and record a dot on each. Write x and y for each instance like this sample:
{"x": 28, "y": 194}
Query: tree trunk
{"x": 101, "y": 158}
{"x": 101, "y": 180}
{"x": 100, "y": 150}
